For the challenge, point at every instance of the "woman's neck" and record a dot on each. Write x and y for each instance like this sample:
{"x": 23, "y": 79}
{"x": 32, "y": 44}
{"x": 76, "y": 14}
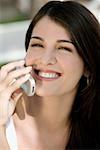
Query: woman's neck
{"x": 50, "y": 112}
{"x": 46, "y": 118}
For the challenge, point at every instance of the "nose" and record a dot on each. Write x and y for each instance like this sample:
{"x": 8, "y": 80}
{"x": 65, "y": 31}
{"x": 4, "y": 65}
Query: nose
{"x": 47, "y": 58}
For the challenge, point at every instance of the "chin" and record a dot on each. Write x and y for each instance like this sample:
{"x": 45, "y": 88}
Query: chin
{"x": 44, "y": 93}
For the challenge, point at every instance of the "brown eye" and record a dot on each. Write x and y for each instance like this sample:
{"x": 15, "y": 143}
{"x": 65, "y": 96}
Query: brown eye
{"x": 64, "y": 48}
{"x": 36, "y": 45}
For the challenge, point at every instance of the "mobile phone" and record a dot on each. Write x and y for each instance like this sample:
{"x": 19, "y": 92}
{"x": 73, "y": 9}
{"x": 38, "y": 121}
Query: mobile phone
{"x": 29, "y": 86}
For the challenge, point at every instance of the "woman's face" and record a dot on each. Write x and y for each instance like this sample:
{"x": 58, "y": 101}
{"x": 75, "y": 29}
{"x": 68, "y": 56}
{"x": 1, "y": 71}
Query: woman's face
{"x": 57, "y": 67}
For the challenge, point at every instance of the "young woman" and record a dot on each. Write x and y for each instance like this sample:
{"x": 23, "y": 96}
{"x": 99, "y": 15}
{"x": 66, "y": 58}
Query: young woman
{"x": 63, "y": 56}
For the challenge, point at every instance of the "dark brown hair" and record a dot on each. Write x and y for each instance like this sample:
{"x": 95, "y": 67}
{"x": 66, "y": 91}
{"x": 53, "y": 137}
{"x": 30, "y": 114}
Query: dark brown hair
{"x": 85, "y": 34}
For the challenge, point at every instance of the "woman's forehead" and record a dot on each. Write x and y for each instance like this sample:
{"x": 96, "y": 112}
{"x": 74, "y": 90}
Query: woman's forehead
{"x": 47, "y": 26}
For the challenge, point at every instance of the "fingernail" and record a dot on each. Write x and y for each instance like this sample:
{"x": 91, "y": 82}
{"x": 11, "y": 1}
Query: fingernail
{"x": 22, "y": 61}
{"x": 30, "y": 68}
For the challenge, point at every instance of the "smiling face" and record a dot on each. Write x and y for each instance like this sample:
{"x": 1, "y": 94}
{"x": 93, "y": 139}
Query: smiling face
{"x": 57, "y": 67}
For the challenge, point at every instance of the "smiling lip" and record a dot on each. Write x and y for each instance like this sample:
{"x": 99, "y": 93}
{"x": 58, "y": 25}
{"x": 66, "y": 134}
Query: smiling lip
{"x": 47, "y": 75}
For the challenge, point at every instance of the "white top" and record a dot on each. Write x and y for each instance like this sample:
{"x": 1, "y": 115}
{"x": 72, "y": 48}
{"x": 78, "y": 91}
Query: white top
{"x": 11, "y": 135}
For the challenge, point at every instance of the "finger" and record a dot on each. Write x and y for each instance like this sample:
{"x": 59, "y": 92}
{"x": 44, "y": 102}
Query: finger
{"x": 4, "y": 85}
{"x": 7, "y": 106}
{"x": 17, "y": 84}
{"x": 17, "y": 96}
{"x": 8, "y": 67}
{"x": 11, "y": 108}
{"x": 12, "y": 103}
{"x": 15, "y": 75}
{"x": 5, "y": 95}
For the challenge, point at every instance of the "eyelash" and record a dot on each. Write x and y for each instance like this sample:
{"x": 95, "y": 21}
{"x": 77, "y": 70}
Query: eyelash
{"x": 65, "y": 48}
{"x": 36, "y": 45}
{"x": 62, "y": 48}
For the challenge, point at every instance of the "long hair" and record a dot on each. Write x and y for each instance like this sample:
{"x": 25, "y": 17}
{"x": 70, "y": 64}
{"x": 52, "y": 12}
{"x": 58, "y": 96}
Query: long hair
{"x": 84, "y": 29}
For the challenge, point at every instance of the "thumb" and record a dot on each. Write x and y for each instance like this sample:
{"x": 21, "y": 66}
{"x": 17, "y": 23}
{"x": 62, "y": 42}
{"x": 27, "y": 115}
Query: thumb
{"x": 13, "y": 102}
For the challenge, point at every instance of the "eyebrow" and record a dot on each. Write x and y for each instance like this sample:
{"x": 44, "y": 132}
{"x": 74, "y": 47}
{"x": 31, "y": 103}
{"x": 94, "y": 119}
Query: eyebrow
{"x": 59, "y": 41}
{"x": 37, "y": 37}
{"x": 65, "y": 41}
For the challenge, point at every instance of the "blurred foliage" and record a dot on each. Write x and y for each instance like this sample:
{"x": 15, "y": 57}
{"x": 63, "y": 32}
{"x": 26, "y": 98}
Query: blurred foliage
{"x": 2, "y": 65}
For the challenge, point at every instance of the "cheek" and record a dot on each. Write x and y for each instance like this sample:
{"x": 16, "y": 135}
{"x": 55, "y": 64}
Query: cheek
{"x": 73, "y": 71}
{"x": 30, "y": 58}
{"x": 73, "y": 68}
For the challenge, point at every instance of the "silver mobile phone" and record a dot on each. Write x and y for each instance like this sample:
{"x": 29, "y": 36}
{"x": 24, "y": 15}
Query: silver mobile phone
{"x": 29, "y": 86}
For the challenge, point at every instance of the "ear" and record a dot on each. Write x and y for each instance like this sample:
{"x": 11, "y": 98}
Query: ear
{"x": 86, "y": 73}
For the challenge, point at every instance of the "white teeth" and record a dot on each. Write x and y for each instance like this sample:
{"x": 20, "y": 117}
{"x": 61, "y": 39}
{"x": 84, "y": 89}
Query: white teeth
{"x": 47, "y": 75}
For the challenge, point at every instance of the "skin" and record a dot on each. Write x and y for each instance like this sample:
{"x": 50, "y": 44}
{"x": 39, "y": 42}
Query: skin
{"x": 42, "y": 121}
